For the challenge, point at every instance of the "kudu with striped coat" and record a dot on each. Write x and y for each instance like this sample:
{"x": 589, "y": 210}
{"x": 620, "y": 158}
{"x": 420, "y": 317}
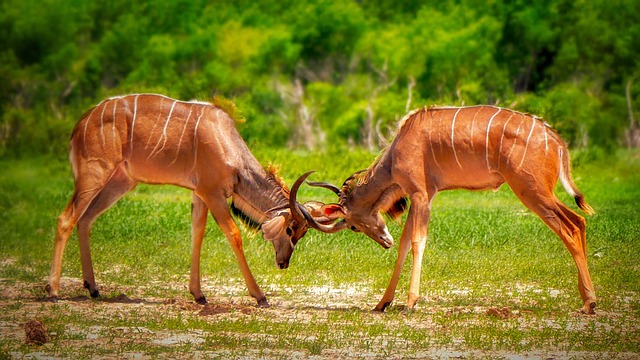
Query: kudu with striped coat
{"x": 154, "y": 139}
{"x": 475, "y": 148}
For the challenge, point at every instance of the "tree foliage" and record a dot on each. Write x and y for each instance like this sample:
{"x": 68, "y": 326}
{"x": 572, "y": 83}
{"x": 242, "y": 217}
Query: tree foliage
{"x": 314, "y": 73}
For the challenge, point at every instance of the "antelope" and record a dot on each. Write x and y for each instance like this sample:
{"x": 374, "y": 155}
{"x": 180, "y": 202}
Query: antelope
{"x": 149, "y": 138}
{"x": 474, "y": 148}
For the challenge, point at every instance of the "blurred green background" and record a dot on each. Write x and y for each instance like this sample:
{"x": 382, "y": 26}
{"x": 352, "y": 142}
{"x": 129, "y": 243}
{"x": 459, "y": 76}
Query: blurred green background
{"x": 348, "y": 70}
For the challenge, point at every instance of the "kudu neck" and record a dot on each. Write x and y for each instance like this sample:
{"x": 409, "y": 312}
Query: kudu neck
{"x": 374, "y": 183}
{"x": 258, "y": 191}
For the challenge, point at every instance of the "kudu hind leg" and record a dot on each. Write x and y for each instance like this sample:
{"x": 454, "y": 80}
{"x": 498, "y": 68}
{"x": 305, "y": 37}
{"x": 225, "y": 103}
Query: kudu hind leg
{"x": 572, "y": 234}
{"x": 584, "y": 278}
{"x": 119, "y": 185}
{"x": 198, "y": 227}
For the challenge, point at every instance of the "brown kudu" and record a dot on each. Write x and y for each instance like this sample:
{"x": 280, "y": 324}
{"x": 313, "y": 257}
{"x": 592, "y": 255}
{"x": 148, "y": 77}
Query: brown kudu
{"x": 158, "y": 140}
{"x": 475, "y": 148}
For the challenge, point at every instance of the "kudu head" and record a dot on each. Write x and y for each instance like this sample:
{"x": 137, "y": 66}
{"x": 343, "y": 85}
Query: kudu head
{"x": 360, "y": 210}
{"x": 286, "y": 224}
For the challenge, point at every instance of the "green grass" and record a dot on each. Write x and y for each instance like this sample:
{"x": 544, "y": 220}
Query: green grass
{"x": 484, "y": 250}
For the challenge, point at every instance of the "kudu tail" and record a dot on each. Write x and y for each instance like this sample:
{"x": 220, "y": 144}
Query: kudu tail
{"x": 569, "y": 185}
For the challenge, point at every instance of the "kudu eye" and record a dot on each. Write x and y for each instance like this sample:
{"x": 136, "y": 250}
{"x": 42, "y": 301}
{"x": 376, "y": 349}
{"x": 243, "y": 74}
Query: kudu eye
{"x": 354, "y": 228}
{"x": 289, "y": 231}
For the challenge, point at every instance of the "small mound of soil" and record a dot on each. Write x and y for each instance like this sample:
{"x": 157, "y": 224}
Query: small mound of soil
{"x": 35, "y": 332}
{"x": 213, "y": 309}
{"x": 503, "y": 313}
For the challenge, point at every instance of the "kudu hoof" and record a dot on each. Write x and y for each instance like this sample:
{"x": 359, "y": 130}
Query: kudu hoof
{"x": 380, "y": 308}
{"x": 50, "y": 298}
{"x": 407, "y": 311}
{"x": 202, "y": 300}
{"x": 262, "y": 303}
{"x": 589, "y": 308}
{"x": 93, "y": 293}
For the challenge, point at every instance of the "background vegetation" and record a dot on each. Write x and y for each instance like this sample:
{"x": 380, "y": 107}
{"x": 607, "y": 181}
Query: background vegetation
{"x": 320, "y": 77}
{"x": 312, "y": 73}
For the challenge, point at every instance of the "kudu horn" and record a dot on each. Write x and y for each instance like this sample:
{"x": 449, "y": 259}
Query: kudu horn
{"x": 301, "y": 214}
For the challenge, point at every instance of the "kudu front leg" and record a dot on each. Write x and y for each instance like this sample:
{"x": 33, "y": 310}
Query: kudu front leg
{"x": 220, "y": 211}
{"x": 198, "y": 227}
{"x": 414, "y": 235}
{"x": 420, "y": 203}
{"x": 403, "y": 250}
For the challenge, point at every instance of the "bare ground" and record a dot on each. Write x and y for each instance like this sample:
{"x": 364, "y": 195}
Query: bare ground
{"x": 117, "y": 326}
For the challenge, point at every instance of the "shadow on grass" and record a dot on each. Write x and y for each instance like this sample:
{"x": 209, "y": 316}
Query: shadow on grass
{"x": 117, "y": 299}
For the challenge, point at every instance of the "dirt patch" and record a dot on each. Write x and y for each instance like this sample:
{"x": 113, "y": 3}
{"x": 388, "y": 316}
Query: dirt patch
{"x": 35, "y": 332}
{"x": 503, "y": 313}
{"x": 214, "y": 309}
{"x": 136, "y": 325}
{"x": 122, "y": 299}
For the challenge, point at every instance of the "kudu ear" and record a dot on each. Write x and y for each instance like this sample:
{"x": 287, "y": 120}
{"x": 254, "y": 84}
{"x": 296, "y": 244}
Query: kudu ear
{"x": 273, "y": 228}
{"x": 333, "y": 211}
{"x": 315, "y": 208}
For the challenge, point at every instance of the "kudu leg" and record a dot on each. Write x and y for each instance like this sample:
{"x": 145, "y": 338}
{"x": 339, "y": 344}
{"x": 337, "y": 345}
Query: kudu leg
{"x": 578, "y": 226}
{"x": 119, "y": 185}
{"x": 198, "y": 227}
{"x": 403, "y": 250}
{"x": 570, "y": 228}
{"x": 414, "y": 236}
{"x": 421, "y": 212}
{"x": 87, "y": 189}
{"x": 220, "y": 211}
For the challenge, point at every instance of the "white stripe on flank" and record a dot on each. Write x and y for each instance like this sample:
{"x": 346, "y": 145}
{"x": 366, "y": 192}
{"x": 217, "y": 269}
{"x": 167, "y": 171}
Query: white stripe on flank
{"x": 453, "y": 145}
{"x": 164, "y": 132}
{"x": 504, "y": 128}
{"x": 186, "y": 122}
{"x": 515, "y": 141}
{"x": 113, "y": 127}
{"x": 101, "y": 123}
{"x": 86, "y": 122}
{"x": 486, "y": 141}
{"x": 473, "y": 120}
{"x": 546, "y": 142}
{"x": 430, "y": 142}
{"x": 533, "y": 124}
{"x": 195, "y": 138}
{"x": 133, "y": 121}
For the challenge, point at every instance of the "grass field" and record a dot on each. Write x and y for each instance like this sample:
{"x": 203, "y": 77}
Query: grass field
{"x": 495, "y": 282}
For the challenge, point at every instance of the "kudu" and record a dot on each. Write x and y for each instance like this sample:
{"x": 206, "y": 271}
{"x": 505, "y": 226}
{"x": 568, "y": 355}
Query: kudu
{"x": 154, "y": 139}
{"x": 475, "y": 148}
